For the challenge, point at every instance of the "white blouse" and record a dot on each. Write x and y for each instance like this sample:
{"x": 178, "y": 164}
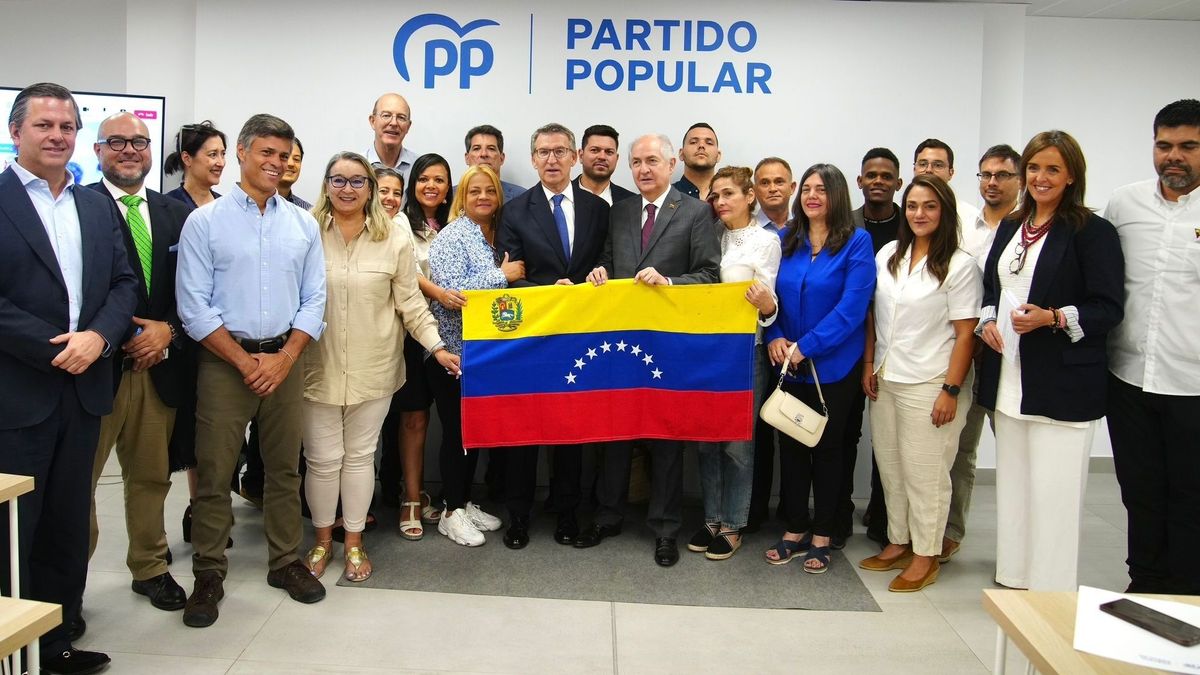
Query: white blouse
{"x": 420, "y": 240}
{"x": 914, "y": 336}
{"x": 751, "y": 252}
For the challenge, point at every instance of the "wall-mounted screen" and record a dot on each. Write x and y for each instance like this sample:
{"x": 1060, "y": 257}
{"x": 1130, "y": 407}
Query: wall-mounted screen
{"x": 94, "y": 107}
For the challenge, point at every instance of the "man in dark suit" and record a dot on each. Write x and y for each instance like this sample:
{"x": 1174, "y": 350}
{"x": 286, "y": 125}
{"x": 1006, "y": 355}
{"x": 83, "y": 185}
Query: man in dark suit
{"x": 559, "y": 231}
{"x": 66, "y": 297}
{"x": 599, "y": 159}
{"x": 151, "y": 374}
{"x": 662, "y": 238}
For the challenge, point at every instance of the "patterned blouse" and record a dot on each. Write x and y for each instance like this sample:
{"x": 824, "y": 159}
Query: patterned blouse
{"x": 460, "y": 258}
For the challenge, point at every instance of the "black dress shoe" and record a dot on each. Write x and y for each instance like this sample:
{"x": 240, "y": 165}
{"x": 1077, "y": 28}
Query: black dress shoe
{"x": 75, "y": 662}
{"x": 517, "y": 534}
{"x": 170, "y": 557}
{"x": 201, "y": 607}
{"x": 300, "y": 584}
{"x": 76, "y": 630}
{"x": 595, "y": 534}
{"x": 666, "y": 552}
{"x": 567, "y": 531}
{"x": 163, "y": 591}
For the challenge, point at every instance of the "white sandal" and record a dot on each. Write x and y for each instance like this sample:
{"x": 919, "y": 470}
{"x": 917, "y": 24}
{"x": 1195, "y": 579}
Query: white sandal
{"x": 429, "y": 512}
{"x": 411, "y": 529}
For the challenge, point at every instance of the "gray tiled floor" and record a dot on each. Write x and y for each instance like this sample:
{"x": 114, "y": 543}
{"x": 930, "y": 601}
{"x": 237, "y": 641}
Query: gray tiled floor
{"x": 943, "y": 629}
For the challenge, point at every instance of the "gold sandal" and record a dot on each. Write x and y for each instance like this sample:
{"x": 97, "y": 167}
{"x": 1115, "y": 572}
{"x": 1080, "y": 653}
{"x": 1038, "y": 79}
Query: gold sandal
{"x": 317, "y": 557}
{"x": 356, "y": 557}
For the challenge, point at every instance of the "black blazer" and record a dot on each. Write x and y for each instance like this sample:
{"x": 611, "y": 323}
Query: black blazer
{"x": 167, "y": 216}
{"x": 618, "y": 193}
{"x": 685, "y": 244}
{"x": 33, "y": 305}
{"x": 1060, "y": 379}
{"x": 528, "y": 232}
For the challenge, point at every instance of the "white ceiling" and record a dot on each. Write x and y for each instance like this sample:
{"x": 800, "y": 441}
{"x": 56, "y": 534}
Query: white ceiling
{"x": 1170, "y": 10}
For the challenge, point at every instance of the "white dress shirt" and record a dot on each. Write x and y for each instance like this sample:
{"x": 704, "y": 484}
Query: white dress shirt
{"x": 975, "y": 237}
{"x": 61, "y": 221}
{"x": 568, "y": 207}
{"x": 914, "y": 336}
{"x": 754, "y": 249}
{"x": 1157, "y": 345}
{"x": 605, "y": 194}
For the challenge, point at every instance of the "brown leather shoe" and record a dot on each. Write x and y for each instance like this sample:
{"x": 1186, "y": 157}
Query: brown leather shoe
{"x": 949, "y": 548}
{"x": 298, "y": 582}
{"x": 878, "y": 564}
{"x": 902, "y": 585}
{"x": 201, "y": 608}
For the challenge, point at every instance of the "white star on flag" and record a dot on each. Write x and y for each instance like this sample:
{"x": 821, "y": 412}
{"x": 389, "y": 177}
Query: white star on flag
{"x": 591, "y": 352}
{"x": 636, "y": 350}
{"x": 621, "y": 346}
{"x": 648, "y": 359}
{"x": 656, "y": 373}
{"x": 570, "y": 378}
{"x": 605, "y": 346}
{"x": 579, "y": 364}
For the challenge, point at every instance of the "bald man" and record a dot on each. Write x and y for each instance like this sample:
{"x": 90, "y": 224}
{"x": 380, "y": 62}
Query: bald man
{"x": 391, "y": 120}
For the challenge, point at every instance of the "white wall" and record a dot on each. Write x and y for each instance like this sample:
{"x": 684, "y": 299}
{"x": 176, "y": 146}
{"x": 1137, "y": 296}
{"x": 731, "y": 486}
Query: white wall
{"x": 846, "y": 76}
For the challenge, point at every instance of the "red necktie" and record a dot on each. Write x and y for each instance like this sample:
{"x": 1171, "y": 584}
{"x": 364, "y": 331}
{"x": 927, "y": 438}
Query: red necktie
{"x": 648, "y": 228}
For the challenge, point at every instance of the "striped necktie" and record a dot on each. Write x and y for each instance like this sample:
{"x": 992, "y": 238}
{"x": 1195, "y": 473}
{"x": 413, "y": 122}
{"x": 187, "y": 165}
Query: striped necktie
{"x": 140, "y": 234}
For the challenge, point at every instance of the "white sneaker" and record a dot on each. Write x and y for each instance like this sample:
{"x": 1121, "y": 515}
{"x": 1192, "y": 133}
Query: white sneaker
{"x": 483, "y": 521}
{"x": 458, "y": 527}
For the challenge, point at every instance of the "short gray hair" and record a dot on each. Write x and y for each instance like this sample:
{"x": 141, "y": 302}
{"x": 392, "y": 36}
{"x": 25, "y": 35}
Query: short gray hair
{"x": 20, "y": 109}
{"x": 664, "y": 145}
{"x": 261, "y": 125}
{"x": 552, "y": 128}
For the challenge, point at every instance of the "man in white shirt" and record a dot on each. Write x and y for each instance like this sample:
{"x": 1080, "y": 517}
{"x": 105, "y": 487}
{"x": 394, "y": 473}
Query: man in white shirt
{"x": 391, "y": 120}
{"x": 1154, "y": 360}
{"x": 598, "y": 156}
{"x": 773, "y": 189}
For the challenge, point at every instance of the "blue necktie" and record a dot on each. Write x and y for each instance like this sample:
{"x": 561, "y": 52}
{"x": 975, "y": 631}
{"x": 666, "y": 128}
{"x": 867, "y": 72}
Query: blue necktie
{"x": 560, "y": 219}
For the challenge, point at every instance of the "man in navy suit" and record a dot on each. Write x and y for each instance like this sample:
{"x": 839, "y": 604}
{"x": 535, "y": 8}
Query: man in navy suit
{"x": 558, "y": 230}
{"x": 151, "y": 373}
{"x": 663, "y": 237}
{"x": 66, "y": 298}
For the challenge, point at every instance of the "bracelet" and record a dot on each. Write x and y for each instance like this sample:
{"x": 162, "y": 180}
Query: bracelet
{"x": 1053, "y": 320}
{"x": 287, "y": 354}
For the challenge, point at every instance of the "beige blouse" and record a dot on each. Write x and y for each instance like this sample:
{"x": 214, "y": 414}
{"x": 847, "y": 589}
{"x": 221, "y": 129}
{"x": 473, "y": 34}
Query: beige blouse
{"x": 372, "y": 302}
{"x": 421, "y": 241}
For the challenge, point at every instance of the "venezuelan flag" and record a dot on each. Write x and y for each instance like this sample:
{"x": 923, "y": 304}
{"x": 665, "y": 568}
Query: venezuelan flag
{"x": 550, "y": 365}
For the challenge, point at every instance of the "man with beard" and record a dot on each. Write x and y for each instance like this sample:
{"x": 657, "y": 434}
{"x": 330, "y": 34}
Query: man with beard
{"x": 699, "y": 154}
{"x": 598, "y": 155}
{"x": 1154, "y": 374}
{"x": 150, "y": 375}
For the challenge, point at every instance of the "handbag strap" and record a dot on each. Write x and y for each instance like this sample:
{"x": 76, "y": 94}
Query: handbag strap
{"x": 816, "y": 380}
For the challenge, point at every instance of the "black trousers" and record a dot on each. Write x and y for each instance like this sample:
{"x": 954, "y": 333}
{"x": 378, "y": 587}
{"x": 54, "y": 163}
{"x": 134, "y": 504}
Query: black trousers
{"x": 1156, "y": 449}
{"x": 819, "y": 470}
{"x": 765, "y": 442}
{"x": 521, "y": 478}
{"x": 843, "y": 517}
{"x": 457, "y": 465}
{"x": 664, "y": 515}
{"x": 53, "y": 519}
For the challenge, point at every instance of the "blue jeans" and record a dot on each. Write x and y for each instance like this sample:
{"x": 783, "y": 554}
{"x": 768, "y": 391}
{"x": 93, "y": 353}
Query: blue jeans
{"x": 727, "y": 470}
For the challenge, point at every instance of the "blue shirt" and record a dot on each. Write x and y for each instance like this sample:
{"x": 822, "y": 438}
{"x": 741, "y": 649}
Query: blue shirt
{"x": 61, "y": 221}
{"x": 461, "y": 259}
{"x": 823, "y": 304}
{"x": 257, "y": 274}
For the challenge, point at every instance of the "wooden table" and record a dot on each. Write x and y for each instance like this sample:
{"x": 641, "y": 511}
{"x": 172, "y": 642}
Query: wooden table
{"x": 24, "y": 617}
{"x": 1042, "y": 625}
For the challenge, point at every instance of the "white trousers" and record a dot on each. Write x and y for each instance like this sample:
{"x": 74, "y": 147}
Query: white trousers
{"x": 339, "y": 448}
{"x": 914, "y": 459}
{"x": 1041, "y": 474}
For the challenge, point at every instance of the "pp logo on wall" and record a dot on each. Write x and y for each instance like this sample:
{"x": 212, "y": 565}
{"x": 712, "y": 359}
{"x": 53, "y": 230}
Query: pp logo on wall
{"x": 469, "y": 57}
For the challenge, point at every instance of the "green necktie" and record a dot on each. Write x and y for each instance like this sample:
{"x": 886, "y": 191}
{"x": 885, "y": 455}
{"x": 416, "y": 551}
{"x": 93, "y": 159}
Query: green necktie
{"x": 140, "y": 233}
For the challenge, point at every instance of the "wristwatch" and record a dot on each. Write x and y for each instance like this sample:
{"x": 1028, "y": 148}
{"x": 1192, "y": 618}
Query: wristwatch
{"x": 951, "y": 389}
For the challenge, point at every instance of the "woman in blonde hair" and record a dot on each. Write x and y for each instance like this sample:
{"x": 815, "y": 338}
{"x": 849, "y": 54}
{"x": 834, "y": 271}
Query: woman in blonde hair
{"x": 372, "y": 303}
{"x": 748, "y": 253}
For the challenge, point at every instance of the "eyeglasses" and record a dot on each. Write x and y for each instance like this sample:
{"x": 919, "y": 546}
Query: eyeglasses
{"x": 559, "y": 153}
{"x": 387, "y": 117}
{"x": 117, "y": 144}
{"x": 1000, "y": 176}
{"x": 936, "y": 165}
{"x": 1018, "y": 263}
{"x": 339, "y": 182}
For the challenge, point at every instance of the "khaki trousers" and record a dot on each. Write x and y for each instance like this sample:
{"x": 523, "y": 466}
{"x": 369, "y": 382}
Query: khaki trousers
{"x": 139, "y": 427}
{"x": 914, "y": 459}
{"x": 224, "y": 407}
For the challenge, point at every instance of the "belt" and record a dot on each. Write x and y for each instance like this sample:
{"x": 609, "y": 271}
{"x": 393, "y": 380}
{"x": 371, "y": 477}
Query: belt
{"x": 265, "y": 346}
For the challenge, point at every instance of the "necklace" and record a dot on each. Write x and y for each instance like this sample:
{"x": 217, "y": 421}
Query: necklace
{"x": 1029, "y": 236}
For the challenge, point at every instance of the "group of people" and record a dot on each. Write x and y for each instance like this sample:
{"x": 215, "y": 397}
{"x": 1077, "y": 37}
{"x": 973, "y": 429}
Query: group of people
{"x": 162, "y": 325}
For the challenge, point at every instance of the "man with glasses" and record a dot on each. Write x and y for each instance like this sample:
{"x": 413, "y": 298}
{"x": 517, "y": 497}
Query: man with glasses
{"x": 935, "y": 157}
{"x": 558, "y": 230}
{"x": 251, "y": 290}
{"x": 391, "y": 121}
{"x": 151, "y": 374}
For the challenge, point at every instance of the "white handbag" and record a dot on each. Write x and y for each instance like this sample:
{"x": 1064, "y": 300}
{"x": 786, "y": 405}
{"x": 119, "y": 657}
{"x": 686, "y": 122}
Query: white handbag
{"x": 793, "y": 416}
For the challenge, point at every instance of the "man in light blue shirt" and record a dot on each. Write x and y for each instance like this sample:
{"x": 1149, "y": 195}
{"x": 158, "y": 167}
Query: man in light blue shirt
{"x": 251, "y": 289}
